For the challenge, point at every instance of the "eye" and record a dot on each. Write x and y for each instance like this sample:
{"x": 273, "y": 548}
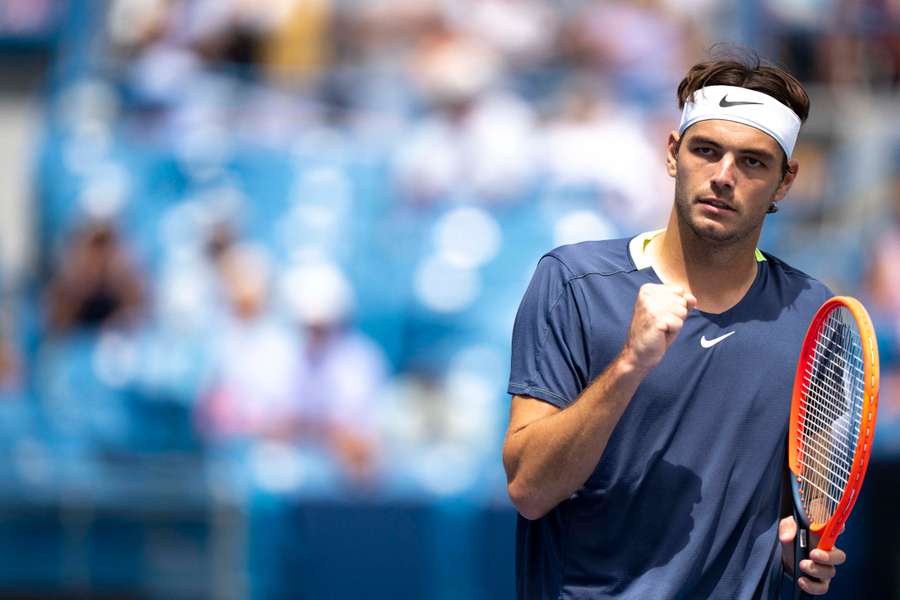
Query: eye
{"x": 753, "y": 163}
{"x": 703, "y": 150}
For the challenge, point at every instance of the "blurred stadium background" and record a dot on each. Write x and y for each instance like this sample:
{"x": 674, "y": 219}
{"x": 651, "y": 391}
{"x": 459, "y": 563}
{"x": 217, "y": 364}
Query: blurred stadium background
{"x": 259, "y": 263}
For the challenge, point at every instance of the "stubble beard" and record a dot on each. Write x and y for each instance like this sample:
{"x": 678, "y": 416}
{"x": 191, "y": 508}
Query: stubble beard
{"x": 717, "y": 236}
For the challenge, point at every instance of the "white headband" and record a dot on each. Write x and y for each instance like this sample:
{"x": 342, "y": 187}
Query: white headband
{"x": 745, "y": 106}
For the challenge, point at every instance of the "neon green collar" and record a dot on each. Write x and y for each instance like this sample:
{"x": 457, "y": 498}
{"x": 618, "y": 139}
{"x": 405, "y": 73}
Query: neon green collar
{"x": 637, "y": 248}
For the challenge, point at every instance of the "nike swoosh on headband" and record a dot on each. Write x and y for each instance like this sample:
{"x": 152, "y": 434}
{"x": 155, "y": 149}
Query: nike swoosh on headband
{"x": 745, "y": 106}
{"x": 725, "y": 103}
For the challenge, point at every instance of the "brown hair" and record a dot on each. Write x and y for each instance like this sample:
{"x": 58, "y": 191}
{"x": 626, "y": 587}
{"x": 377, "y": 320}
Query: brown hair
{"x": 750, "y": 72}
{"x": 747, "y": 70}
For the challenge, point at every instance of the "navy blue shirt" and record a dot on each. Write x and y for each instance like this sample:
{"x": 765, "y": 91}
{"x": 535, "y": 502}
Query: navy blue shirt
{"x": 684, "y": 502}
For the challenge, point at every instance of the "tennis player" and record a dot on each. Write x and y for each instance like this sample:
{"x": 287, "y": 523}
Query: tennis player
{"x": 651, "y": 377}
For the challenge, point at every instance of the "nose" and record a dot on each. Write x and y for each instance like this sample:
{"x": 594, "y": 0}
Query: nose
{"x": 723, "y": 177}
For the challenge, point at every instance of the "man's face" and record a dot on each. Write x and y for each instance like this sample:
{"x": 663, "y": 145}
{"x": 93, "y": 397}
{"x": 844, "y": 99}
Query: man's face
{"x": 726, "y": 175}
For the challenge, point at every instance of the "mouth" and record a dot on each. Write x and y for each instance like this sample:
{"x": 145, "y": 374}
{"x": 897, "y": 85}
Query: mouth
{"x": 716, "y": 203}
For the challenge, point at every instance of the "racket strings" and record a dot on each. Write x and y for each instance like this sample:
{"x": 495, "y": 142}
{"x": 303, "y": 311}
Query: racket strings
{"x": 828, "y": 392}
{"x": 828, "y": 413}
{"x": 828, "y": 416}
{"x": 830, "y": 420}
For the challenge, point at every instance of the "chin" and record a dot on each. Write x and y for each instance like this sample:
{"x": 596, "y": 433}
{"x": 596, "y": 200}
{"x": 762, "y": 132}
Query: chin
{"x": 707, "y": 229}
{"x": 717, "y": 233}
{"x": 714, "y": 234}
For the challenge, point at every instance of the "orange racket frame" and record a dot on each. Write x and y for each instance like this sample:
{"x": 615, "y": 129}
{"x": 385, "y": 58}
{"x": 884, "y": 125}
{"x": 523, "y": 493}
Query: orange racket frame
{"x": 830, "y": 529}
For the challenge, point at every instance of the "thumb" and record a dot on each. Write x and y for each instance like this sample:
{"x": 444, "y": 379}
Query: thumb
{"x": 787, "y": 529}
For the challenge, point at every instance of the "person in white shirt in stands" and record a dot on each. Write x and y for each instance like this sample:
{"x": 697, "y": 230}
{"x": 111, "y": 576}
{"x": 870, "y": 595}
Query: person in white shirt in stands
{"x": 340, "y": 373}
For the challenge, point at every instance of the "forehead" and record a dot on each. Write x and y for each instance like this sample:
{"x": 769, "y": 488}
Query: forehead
{"x": 732, "y": 135}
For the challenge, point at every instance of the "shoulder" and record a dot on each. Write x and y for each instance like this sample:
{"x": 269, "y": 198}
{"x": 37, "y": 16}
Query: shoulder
{"x": 575, "y": 261}
{"x": 567, "y": 271}
{"x": 794, "y": 280}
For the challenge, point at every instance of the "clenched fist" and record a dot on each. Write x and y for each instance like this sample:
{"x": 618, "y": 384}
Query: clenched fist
{"x": 659, "y": 313}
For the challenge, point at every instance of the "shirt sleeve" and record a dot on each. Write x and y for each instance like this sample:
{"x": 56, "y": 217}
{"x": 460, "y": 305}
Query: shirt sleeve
{"x": 549, "y": 342}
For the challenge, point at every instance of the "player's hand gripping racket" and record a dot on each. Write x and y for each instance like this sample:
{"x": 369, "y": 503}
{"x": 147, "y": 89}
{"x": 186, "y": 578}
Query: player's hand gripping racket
{"x": 832, "y": 422}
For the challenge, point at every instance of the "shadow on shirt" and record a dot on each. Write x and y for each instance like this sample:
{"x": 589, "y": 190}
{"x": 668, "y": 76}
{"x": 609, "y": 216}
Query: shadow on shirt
{"x": 617, "y": 534}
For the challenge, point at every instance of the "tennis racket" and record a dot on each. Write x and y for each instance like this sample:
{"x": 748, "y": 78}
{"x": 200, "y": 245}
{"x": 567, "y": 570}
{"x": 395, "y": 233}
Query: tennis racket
{"x": 832, "y": 422}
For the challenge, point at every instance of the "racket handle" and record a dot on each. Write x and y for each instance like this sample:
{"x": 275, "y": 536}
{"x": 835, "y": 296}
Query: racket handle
{"x": 801, "y": 552}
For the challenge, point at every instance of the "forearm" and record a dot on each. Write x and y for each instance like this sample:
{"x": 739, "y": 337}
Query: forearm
{"x": 549, "y": 458}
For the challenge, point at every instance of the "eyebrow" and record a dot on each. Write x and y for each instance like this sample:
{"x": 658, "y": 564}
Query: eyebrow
{"x": 764, "y": 154}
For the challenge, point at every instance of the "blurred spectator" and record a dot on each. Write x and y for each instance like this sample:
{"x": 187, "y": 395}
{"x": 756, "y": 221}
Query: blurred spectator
{"x": 838, "y": 42}
{"x": 524, "y": 31}
{"x": 195, "y": 237}
{"x": 95, "y": 283}
{"x": 318, "y": 389}
{"x": 169, "y": 40}
{"x": 10, "y": 365}
{"x": 441, "y": 423}
{"x": 640, "y": 45}
{"x": 385, "y": 30}
{"x": 341, "y": 373}
{"x": 150, "y": 38}
{"x": 298, "y": 46}
{"x": 883, "y": 281}
{"x": 477, "y": 139}
{"x": 596, "y": 141}
{"x": 254, "y": 368}
{"x": 221, "y": 238}
{"x": 882, "y": 297}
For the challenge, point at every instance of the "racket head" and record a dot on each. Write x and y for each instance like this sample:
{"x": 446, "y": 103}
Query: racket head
{"x": 833, "y": 413}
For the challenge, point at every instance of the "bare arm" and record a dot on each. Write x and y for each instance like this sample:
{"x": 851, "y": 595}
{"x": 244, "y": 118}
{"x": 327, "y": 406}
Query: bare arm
{"x": 549, "y": 453}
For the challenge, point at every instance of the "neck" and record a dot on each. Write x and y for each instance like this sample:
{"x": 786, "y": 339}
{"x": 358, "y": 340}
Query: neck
{"x": 717, "y": 273}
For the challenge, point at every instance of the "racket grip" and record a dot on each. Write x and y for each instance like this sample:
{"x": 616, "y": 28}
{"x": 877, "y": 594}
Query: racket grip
{"x": 801, "y": 552}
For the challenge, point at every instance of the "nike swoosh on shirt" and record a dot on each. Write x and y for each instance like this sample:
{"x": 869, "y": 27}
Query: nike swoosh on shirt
{"x": 710, "y": 343}
{"x": 725, "y": 102}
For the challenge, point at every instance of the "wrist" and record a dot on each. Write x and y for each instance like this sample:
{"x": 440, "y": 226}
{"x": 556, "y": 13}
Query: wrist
{"x": 628, "y": 366}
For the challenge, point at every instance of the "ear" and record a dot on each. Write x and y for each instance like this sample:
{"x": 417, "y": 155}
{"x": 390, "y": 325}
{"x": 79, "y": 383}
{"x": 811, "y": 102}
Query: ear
{"x": 672, "y": 146}
{"x": 787, "y": 181}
